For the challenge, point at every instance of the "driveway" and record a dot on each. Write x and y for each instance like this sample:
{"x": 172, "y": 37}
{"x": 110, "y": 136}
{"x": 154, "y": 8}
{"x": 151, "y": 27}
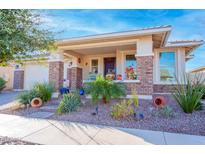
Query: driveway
{"x": 7, "y": 97}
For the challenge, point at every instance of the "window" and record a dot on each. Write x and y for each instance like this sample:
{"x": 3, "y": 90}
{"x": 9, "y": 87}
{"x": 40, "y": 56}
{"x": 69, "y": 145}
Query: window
{"x": 131, "y": 67}
{"x": 94, "y": 66}
{"x": 167, "y": 66}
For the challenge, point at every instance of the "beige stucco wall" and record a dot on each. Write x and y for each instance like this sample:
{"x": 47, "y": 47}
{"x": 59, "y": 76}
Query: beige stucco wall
{"x": 145, "y": 46}
{"x": 7, "y": 73}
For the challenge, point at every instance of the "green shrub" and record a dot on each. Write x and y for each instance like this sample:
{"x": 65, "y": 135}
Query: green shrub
{"x": 166, "y": 112}
{"x": 45, "y": 90}
{"x": 188, "y": 93}
{"x": 122, "y": 110}
{"x": 2, "y": 84}
{"x": 104, "y": 89}
{"x": 70, "y": 102}
{"x": 26, "y": 97}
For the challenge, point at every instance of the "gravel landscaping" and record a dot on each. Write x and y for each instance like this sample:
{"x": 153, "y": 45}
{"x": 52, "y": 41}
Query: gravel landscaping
{"x": 180, "y": 123}
{"x": 12, "y": 141}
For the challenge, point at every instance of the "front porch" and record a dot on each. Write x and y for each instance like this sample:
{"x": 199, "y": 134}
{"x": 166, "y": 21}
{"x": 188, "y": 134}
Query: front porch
{"x": 128, "y": 58}
{"x": 83, "y": 64}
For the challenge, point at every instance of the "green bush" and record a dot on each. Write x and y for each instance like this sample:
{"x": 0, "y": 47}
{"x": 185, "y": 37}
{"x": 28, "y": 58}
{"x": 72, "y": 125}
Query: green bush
{"x": 40, "y": 90}
{"x": 122, "y": 110}
{"x": 2, "y": 84}
{"x": 189, "y": 92}
{"x": 104, "y": 89}
{"x": 70, "y": 102}
{"x": 26, "y": 97}
{"x": 45, "y": 90}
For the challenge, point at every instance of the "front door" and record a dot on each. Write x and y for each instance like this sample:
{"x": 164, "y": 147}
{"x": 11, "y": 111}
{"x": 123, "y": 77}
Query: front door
{"x": 109, "y": 66}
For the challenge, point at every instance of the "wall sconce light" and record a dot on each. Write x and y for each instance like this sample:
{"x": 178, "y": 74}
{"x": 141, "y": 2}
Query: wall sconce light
{"x": 86, "y": 64}
{"x": 79, "y": 60}
{"x": 71, "y": 63}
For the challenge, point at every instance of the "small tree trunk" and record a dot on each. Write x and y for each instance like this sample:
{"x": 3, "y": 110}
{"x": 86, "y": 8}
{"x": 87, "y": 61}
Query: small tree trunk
{"x": 104, "y": 100}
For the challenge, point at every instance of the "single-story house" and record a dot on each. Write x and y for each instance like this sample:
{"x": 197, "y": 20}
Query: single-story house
{"x": 143, "y": 58}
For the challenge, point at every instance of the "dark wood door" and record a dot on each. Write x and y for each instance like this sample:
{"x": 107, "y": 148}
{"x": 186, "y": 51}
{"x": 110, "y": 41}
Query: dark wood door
{"x": 109, "y": 65}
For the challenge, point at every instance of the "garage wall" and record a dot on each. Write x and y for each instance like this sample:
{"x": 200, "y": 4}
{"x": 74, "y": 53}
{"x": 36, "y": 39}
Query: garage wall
{"x": 7, "y": 73}
{"x": 35, "y": 72}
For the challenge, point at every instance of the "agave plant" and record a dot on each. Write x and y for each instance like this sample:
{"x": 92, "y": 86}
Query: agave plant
{"x": 104, "y": 89}
{"x": 189, "y": 91}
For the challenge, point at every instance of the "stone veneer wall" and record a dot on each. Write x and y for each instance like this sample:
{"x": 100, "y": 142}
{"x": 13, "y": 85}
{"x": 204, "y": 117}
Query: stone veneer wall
{"x": 18, "y": 82}
{"x": 145, "y": 75}
{"x": 56, "y": 73}
{"x": 74, "y": 75}
{"x": 163, "y": 88}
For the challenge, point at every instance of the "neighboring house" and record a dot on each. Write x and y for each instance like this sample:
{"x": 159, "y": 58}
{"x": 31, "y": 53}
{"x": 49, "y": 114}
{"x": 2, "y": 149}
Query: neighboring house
{"x": 155, "y": 61}
{"x": 198, "y": 73}
{"x": 198, "y": 70}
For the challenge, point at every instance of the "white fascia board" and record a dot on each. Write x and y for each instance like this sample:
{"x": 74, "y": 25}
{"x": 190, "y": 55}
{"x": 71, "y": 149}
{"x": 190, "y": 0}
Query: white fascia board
{"x": 118, "y": 34}
{"x": 184, "y": 44}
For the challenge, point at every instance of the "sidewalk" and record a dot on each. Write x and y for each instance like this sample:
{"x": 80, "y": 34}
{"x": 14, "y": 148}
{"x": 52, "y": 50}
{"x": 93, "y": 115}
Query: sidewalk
{"x": 44, "y": 131}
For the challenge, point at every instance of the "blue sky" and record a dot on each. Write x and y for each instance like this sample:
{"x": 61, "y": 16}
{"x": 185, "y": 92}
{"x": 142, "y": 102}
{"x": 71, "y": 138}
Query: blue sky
{"x": 187, "y": 24}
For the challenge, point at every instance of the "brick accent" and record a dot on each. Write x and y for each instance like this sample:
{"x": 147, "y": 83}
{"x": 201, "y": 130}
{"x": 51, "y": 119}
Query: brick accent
{"x": 74, "y": 75}
{"x": 56, "y": 73}
{"x": 145, "y": 75}
{"x": 130, "y": 87}
{"x": 163, "y": 88}
{"x": 18, "y": 79}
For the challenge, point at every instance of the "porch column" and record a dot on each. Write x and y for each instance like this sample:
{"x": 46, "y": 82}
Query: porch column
{"x": 144, "y": 57}
{"x": 75, "y": 73}
{"x": 56, "y": 70}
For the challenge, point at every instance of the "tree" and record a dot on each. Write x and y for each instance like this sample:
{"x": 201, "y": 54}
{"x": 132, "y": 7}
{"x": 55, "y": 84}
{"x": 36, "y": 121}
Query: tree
{"x": 22, "y": 35}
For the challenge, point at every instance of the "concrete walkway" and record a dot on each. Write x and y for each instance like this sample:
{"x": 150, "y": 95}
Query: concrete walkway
{"x": 44, "y": 131}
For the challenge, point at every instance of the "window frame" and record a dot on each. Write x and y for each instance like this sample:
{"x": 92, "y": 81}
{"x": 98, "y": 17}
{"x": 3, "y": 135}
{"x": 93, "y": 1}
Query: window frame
{"x": 158, "y": 67}
{"x": 94, "y": 66}
{"x": 127, "y": 53}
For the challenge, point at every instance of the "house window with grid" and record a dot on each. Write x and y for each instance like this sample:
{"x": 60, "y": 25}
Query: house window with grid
{"x": 167, "y": 66}
{"x": 94, "y": 66}
{"x": 131, "y": 67}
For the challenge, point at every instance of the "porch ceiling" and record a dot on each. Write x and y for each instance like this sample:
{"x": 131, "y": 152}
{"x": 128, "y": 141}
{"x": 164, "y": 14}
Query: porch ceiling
{"x": 101, "y": 50}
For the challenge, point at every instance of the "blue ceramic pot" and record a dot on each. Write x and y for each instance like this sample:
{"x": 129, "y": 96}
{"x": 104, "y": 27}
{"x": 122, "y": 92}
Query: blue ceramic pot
{"x": 82, "y": 91}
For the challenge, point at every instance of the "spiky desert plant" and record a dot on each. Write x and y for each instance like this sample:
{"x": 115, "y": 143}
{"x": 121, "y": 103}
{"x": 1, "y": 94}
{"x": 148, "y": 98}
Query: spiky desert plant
{"x": 189, "y": 91}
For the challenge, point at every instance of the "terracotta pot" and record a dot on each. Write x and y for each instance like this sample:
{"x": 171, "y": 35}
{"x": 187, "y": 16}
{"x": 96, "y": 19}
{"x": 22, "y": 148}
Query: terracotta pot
{"x": 36, "y": 102}
{"x": 159, "y": 101}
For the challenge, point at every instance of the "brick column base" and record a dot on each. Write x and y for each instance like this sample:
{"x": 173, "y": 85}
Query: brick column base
{"x": 56, "y": 73}
{"x": 18, "y": 83}
{"x": 74, "y": 75}
{"x": 145, "y": 74}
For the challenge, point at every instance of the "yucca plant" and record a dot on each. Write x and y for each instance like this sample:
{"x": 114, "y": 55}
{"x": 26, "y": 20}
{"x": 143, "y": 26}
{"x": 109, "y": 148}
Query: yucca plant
{"x": 104, "y": 89}
{"x": 189, "y": 91}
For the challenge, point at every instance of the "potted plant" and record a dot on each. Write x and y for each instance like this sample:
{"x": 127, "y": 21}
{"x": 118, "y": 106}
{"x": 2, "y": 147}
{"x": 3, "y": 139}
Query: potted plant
{"x": 119, "y": 77}
{"x": 130, "y": 73}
